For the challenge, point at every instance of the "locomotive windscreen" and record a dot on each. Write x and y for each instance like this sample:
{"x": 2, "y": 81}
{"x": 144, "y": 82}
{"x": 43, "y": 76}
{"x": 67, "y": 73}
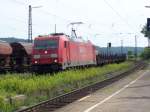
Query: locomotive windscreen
{"x": 45, "y": 44}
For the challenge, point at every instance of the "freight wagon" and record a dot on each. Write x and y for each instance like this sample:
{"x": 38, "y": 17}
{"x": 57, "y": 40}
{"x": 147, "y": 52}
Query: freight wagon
{"x": 21, "y": 56}
{"x": 5, "y": 52}
{"x": 15, "y": 56}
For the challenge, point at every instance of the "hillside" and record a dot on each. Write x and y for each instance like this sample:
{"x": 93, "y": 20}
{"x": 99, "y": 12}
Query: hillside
{"x": 13, "y": 39}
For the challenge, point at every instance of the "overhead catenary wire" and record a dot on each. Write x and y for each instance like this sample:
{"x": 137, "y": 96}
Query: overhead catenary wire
{"x": 18, "y": 2}
{"x": 117, "y": 13}
{"x": 48, "y": 13}
{"x": 54, "y": 15}
{"x": 68, "y": 21}
{"x": 45, "y": 12}
{"x": 125, "y": 21}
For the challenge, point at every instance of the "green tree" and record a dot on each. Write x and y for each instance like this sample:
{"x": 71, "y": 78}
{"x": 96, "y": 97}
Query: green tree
{"x": 146, "y": 53}
{"x": 146, "y": 34}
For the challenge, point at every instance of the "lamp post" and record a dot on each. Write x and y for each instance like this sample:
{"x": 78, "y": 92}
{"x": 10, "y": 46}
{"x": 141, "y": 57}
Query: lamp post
{"x": 30, "y": 23}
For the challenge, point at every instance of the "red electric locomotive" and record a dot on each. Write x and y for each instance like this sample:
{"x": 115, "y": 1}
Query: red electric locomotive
{"x": 58, "y": 51}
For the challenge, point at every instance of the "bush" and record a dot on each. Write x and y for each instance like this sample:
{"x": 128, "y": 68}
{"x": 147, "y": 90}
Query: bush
{"x": 146, "y": 53}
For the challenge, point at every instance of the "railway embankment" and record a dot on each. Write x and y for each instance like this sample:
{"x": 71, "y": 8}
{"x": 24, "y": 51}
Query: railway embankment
{"x": 22, "y": 90}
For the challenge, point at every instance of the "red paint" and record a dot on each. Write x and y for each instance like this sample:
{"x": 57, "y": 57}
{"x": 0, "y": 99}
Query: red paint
{"x": 69, "y": 52}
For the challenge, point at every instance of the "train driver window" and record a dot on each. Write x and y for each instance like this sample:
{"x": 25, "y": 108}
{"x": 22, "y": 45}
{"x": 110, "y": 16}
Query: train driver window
{"x": 65, "y": 44}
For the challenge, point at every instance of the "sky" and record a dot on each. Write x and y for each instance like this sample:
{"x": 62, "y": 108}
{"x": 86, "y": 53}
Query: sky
{"x": 103, "y": 20}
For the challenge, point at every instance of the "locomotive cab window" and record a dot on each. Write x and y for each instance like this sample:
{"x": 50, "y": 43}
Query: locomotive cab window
{"x": 45, "y": 44}
{"x": 65, "y": 44}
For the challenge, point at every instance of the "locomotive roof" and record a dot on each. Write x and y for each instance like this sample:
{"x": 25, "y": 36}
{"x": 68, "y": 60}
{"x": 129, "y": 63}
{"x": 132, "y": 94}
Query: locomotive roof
{"x": 80, "y": 39}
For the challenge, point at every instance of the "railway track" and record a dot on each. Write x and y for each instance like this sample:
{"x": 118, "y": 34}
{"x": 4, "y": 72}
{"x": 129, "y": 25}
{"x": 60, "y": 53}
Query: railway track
{"x": 60, "y": 101}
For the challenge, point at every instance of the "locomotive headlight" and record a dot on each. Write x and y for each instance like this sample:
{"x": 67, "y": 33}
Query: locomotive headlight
{"x": 35, "y": 62}
{"x": 45, "y": 52}
{"x": 53, "y": 55}
{"x": 55, "y": 60}
{"x": 36, "y": 56}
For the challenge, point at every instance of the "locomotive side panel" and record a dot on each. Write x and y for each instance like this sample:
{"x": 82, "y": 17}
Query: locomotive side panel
{"x": 82, "y": 54}
{"x": 73, "y": 53}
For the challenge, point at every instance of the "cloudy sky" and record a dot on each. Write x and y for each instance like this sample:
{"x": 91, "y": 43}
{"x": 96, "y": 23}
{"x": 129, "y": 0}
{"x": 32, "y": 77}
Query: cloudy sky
{"x": 104, "y": 20}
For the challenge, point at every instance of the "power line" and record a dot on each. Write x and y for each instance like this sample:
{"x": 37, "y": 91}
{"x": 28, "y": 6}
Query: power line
{"x": 116, "y": 12}
{"x": 49, "y": 13}
{"x": 68, "y": 21}
{"x": 18, "y": 2}
{"x": 45, "y": 12}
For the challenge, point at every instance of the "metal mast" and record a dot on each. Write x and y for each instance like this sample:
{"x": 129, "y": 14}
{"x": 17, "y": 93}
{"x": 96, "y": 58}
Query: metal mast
{"x": 121, "y": 46}
{"x": 30, "y": 25}
{"x": 135, "y": 47}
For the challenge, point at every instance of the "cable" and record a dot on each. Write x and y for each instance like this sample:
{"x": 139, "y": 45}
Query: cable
{"x": 126, "y": 22}
{"x": 68, "y": 21}
{"x": 49, "y": 13}
{"x": 45, "y": 12}
{"x": 18, "y": 2}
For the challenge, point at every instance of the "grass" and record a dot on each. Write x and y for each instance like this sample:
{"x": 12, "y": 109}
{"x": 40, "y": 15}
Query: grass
{"x": 43, "y": 87}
